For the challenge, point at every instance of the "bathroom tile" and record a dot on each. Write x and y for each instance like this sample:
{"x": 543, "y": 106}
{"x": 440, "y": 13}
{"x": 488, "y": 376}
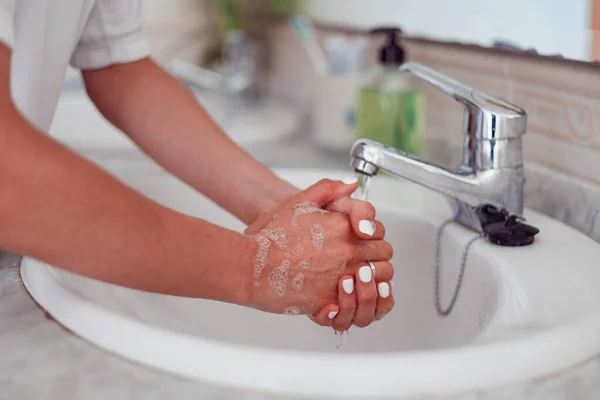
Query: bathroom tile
{"x": 566, "y": 76}
{"x": 458, "y": 56}
{"x": 568, "y": 199}
{"x": 493, "y": 84}
{"x": 570, "y": 159}
{"x": 447, "y": 125}
{"x": 565, "y": 117}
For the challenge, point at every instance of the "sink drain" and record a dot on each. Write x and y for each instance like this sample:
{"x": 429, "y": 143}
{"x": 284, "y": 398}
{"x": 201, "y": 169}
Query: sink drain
{"x": 499, "y": 227}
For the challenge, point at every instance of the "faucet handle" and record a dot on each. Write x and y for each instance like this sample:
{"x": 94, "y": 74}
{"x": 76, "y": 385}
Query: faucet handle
{"x": 486, "y": 117}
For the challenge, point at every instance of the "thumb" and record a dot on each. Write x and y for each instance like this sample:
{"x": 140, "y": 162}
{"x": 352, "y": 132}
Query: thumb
{"x": 327, "y": 190}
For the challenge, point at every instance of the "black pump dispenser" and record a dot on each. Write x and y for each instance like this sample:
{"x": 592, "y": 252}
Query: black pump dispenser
{"x": 391, "y": 54}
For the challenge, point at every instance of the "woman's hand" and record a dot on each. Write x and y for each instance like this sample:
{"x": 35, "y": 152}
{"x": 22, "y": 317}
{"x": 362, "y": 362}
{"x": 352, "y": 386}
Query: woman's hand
{"x": 362, "y": 298}
{"x": 367, "y": 296}
{"x": 303, "y": 251}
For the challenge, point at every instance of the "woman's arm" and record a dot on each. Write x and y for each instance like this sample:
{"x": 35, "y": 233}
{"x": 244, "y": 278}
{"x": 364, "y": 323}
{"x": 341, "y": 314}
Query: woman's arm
{"x": 166, "y": 121}
{"x": 61, "y": 209}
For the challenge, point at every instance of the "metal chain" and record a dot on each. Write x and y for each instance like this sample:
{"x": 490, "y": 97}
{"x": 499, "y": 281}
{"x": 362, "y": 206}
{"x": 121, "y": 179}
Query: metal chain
{"x": 463, "y": 264}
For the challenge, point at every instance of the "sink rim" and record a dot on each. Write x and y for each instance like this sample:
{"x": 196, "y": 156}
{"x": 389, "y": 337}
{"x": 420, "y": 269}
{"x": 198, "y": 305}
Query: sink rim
{"x": 407, "y": 373}
{"x": 488, "y": 362}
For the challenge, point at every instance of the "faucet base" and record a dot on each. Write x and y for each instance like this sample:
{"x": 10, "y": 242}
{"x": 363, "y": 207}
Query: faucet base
{"x": 465, "y": 214}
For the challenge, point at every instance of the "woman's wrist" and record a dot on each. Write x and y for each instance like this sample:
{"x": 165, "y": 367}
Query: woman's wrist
{"x": 206, "y": 260}
{"x": 243, "y": 288}
{"x": 274, "y": 196}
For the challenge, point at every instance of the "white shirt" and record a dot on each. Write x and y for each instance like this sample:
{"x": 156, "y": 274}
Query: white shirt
{"x": 48, "y": 35}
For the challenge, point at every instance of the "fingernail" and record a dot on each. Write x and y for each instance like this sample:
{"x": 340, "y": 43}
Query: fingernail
{"x": 350, "y": 181}
{"x": 348, "y": 285}
{"x": 332, "y": 314}
{"x": 365, "y": 274}
{"x": 384, "y": 290}
{"x": 367, "y": 227}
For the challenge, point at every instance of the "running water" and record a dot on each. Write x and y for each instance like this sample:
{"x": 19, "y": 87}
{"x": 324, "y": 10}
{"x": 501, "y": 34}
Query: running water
{"x": 361, "y": 193}
{"x": 341, "y": 342}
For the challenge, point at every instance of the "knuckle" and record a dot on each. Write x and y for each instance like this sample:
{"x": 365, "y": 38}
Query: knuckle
{"x": 350, "y": 304}
{"x": 391, "y": 268}
{"x": 354, "y": 253}
{"x": 340, "y": 220}
{"x": 386, "y": 309}
{"x": 326, "y": 183}
{"x": 388, "y": 250}
{"x": 341, "y": 326}
{"x": 351, "y": 308}
{"x": 367, "y": 296}
{"x": 363, "y": 323}
{"x": 381, "y": 228}
{"x": 338, "y": 206}
{"x": 370, "y": 210}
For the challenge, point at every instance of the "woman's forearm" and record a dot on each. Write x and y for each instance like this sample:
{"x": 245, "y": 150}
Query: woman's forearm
{"x": 166, "y": 121}
{"x": 61, "y": 209}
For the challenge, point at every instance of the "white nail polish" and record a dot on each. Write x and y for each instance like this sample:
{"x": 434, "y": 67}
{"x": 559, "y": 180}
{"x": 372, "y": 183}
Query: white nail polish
{"x": 348, "y": 285}
{"x": 365, "y": 274}
{"x": 384, "y": 290}
{"x": 367, "y": 227}
{"x": 332, "y": 314}
{"x": 350, "y": 181}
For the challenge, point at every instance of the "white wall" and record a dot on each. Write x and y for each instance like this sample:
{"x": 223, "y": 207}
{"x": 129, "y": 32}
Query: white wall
{"x": 549, "y": 26}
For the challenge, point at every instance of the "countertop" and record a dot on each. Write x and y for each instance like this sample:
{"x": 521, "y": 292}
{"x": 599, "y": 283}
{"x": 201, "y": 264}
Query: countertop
{"x": 41, "y": 360}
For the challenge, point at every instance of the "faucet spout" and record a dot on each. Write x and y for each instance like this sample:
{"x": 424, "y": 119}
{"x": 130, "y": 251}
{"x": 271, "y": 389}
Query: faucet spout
{"x": 492, "y": 168}
{"x": 466, "y": 187}
{"x": 367, "y": 154}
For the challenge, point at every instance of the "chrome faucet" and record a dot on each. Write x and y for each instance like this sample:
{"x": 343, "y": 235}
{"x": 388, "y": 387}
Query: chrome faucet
{"x": 492, "y": 167}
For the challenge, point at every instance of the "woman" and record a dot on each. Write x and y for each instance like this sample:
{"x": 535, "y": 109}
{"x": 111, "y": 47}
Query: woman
{"x": 304, "y": 252}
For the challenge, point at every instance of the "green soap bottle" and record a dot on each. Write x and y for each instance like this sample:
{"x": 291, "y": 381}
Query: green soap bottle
{"x": 390, "y": 111}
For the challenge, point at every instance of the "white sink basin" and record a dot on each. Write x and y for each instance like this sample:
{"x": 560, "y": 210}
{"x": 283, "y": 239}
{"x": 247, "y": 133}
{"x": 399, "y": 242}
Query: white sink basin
{"x": 523, "y": 313}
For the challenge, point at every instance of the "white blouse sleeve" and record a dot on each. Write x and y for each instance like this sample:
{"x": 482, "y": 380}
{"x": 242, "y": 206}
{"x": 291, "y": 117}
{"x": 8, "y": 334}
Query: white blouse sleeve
{"x": 7, "y": 13}
{"x": 112, "y": 35}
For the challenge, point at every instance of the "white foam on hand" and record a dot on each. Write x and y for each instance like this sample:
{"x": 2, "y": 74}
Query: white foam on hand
{"x": 278, "y": 278}
{"x": 318, "y": 236}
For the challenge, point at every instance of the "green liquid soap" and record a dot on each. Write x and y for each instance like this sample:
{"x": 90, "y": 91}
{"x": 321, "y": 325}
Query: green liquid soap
{"x": 392, "y": 117}
{"x": 390, "y": 110}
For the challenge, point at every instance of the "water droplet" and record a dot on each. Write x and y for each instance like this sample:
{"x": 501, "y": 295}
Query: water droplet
{"x": 362, "y": 192}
